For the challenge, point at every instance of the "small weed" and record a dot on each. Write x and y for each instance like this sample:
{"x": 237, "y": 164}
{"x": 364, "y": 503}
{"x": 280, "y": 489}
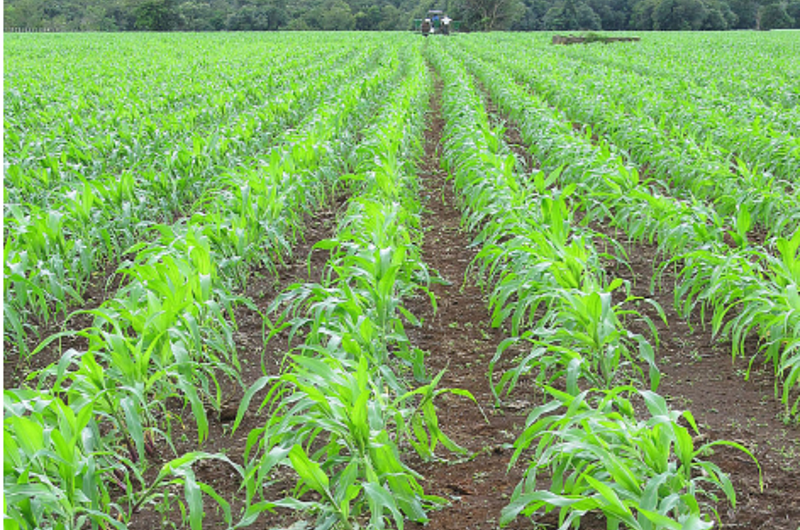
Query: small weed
{"x": 479, "y": 476}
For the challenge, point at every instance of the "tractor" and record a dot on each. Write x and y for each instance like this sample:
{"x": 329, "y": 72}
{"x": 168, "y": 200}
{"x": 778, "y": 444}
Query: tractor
{"x": 436, "y": 22}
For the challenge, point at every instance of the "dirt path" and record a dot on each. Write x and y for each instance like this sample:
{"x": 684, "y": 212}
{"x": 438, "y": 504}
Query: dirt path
{"x": 460, "y": 340}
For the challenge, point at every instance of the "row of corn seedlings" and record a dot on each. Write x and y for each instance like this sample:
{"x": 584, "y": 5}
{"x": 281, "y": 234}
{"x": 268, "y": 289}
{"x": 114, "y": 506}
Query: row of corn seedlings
{"x": 742, "y": 287}
{"x": 53, "y": 253}
{"x": 166, "y": 334}
{"x": 144, "y": 118}
{"x": 345, "y": 406}
{"x": 740, "y": 126}
{"x": 189, "y": 159}
{"x": 748, "y": 74}
{"x": 689, "y": 163}
{"x": 546, "y": 278}
{"x": 682, "y": 162}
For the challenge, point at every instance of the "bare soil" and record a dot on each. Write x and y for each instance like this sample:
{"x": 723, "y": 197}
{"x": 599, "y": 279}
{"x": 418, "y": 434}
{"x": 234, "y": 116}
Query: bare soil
{"x": 460, "y": 340}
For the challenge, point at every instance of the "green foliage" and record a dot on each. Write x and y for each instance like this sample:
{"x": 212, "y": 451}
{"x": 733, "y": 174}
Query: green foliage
{"x": 746, "y": 12}
{"x": 343, "y": 392}
{"x": 793, "y": 10}
{"x": 598, "y": 456}
{"x": 156, "y": 15}
{"x": 645, "y": 474}
{"x": 167, "y": 332}
{"x": 724, "y": 279}
{"x": 774, "y": 16}
{"x": 490, "y": 15}
{"x": 186, "y": 181}
{"x": 377, "y": 15}
{"x": 70, "y": 230}
{"x": 681, "y": 15}
{"x": 336, "y": 15}
{"x": 206, "y": 15}
{"x": 571, "y": 15}
{"x": 545, "y": 275}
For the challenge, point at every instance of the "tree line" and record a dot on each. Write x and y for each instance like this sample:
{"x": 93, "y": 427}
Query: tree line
{"x": 379, "y": 15}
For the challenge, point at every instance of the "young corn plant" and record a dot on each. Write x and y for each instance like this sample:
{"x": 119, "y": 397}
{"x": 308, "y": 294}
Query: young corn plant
{"x": 772, "y": 309}
{"x": 53, "y": 468}
{"x": 642, "y": 474}
{"x": 584, "y": 338}
{"x": 58, "y": 474}
{"x": 342, "y": 409}
{"x": 365, "y": 284}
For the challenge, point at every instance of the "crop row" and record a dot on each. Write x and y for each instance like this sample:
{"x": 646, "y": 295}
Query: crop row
{"x": 545, "y": 277}
{"x": 141, "y": 118}
{"x": 686, "y": 163}
{"x": 755, "y": 77}
{"x": 54, "y": 252}
{"x": 745, "y": 133}
{"x": 76, "y": 447}
{"x": 743, "y": 288}
{"x": 340, "y": 412}
{"x": 189, "y": 160}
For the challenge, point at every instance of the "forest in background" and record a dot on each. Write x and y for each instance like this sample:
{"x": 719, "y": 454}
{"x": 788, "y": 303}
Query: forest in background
{"x": 382, "y": 15}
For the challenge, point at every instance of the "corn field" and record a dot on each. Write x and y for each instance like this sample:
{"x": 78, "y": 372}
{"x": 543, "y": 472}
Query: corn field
{"x": 376, "y": 280}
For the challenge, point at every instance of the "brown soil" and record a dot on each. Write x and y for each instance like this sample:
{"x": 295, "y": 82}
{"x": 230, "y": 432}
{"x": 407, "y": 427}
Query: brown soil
{"x": 460, "y": 340}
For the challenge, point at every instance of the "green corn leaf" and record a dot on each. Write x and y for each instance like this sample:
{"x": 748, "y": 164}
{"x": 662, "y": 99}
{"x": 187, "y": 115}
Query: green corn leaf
{"x": 194, "y": 498}
{"x": 662, "y": 521}
{"x": 253, "y": 511}
{"x": 133, "y": 424}
{"x": 614, "y": 505}
{"x": 98, "y": 516}
{"x": 380, "y": 499}
{"x": 525, "y": 501}
{"x": 684, "y": 448}
{"x": 310, "y": 472}
{"x": 11, "y": 457}
{"x": 695, "y": 522}
{"x": 359, "y": 418}
{"x": 198, "y": 409}
{"x": 745, "y": 450}
{"x": 190, "y": 458}
{"x": 244, "y": 404}
{"x": 30, "y": 434}
{"x": 649, "y": 498}
{"x": 655, "y": 404}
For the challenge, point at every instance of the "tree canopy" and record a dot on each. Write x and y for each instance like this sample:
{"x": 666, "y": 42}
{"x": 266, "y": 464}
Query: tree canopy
{"x": 376, "y": 15}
